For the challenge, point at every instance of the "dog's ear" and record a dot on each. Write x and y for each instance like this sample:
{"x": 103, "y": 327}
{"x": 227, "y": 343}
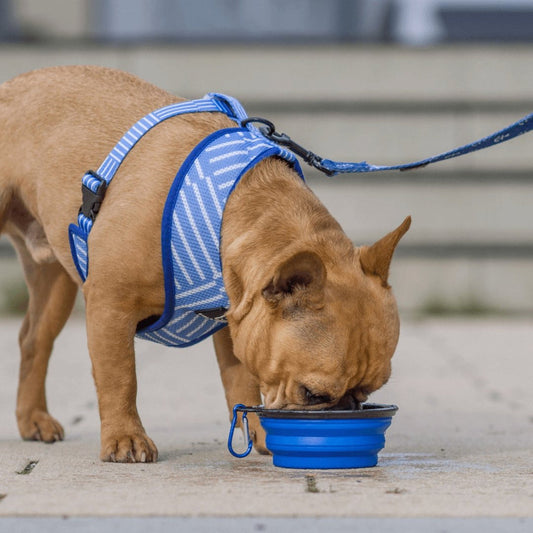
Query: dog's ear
{"x": 242, "y": 309}
{"x": 304, "y": 271}
{"x": 376, "y": 259}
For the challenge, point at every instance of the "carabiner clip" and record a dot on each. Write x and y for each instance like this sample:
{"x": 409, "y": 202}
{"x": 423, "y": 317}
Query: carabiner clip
{"x": 239, "y": 407}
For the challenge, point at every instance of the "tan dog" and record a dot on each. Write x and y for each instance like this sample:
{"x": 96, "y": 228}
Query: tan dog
{"x": 312, "y": 320}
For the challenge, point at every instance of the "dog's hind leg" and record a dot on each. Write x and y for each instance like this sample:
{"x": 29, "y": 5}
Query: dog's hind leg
{"x": 239, "y": 385}
{"x": 5, "y": 204}
{"x": 51, "y": 298}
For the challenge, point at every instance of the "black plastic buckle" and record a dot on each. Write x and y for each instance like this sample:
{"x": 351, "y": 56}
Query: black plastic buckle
{"x": 269, "y": 131}
{"x": 92, "y": 201}
{"x": 216, "y": 313}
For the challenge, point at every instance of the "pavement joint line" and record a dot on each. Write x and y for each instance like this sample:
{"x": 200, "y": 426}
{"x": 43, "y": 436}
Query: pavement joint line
{"x": 66, "y": 524}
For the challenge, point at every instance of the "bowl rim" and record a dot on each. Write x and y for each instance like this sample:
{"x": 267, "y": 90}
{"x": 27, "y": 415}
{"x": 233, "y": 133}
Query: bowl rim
{"x": 368, "y": 410}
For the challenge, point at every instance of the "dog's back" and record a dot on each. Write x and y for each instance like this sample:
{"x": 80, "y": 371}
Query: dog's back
{"x": 59, "y": 122}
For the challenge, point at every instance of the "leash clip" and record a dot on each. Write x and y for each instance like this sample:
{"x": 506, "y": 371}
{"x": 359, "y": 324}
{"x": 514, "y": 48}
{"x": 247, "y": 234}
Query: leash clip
{"x": 282, "y": 139}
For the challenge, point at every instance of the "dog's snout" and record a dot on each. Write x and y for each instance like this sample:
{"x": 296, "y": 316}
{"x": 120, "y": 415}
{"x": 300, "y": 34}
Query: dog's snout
{"x": 312, "y": 398}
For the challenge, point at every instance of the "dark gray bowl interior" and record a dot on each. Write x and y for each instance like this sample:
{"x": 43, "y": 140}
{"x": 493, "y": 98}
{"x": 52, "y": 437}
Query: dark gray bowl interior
{"x": 368, "y": 410}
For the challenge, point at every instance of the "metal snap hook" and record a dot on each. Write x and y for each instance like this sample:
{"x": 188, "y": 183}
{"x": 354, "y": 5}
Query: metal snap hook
{"x": 269, "y": 131}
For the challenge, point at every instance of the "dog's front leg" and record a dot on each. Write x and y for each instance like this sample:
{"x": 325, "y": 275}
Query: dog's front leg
{"x": 239, "y": 385}
{"x": 110, "y": 332}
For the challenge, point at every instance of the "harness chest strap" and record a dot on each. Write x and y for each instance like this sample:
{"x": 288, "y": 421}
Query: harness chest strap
{"x": 94, "y": 184}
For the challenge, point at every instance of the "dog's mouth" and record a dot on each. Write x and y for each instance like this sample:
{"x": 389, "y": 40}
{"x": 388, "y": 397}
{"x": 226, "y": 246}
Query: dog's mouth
{"x": 350, "y": 401}
{"x": 306, "y": 401}
{"x": 310, "y": 400}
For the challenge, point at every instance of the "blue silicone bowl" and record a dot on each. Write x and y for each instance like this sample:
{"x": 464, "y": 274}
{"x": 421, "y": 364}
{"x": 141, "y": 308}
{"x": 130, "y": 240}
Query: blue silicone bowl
{"x": 322, "y": 439}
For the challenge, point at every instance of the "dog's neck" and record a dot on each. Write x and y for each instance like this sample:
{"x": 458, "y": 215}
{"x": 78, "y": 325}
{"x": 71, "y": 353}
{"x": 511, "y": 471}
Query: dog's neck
{"x": 271, "y": 215}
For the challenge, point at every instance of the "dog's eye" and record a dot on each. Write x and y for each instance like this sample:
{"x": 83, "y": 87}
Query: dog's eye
{"x": 315, "y": 399}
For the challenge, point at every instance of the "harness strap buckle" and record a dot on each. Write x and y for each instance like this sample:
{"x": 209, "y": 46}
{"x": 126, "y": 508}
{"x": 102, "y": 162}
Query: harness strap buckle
{"x": 92, "y": 200}
{"x": 214, "y": 313}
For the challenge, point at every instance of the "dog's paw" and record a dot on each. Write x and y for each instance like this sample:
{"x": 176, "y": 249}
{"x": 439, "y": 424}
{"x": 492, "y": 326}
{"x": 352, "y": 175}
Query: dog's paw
{"x": 257, "y": 434}
{"x": 136, "y": 447}
{"x": 39, "y": 425}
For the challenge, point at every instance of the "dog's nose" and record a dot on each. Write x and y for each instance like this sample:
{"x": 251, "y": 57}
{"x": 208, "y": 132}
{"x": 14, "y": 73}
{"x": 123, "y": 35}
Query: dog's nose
{"x": 313, "y": 398}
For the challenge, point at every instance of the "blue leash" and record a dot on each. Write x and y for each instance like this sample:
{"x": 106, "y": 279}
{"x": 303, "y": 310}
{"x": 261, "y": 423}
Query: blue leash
{"x": 331, "y": 168}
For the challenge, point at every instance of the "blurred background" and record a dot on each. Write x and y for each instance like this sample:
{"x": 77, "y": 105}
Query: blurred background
{"x": 387, "y": 81}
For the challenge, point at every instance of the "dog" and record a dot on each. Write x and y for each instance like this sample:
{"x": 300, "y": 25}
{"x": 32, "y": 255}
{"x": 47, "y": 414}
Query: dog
{"x": 312, "y": 322}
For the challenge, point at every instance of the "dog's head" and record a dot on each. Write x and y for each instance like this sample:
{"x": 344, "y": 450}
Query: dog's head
{"x": 321, "y": 332}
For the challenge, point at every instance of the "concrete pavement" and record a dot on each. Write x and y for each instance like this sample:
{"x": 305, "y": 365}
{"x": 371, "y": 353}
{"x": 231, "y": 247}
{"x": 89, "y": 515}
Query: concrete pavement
{"x": 263, "y": 524}
{"x": 461, "y": 445}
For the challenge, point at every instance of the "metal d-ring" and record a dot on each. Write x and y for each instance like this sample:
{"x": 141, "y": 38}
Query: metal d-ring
{"x": 236, "y": 408}
{"x": 268, "y": 128}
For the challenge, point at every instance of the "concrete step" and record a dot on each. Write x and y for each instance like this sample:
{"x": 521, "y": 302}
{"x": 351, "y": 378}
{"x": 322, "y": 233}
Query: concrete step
{"x": 304, "y": 73}
{"x": 447, "y": 208}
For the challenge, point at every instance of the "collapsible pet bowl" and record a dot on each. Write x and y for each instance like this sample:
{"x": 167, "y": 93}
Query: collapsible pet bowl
{"x": 320, "y": 439}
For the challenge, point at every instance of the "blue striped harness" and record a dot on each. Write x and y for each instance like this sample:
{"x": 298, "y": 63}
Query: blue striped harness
{"x": 195, "y": 298}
